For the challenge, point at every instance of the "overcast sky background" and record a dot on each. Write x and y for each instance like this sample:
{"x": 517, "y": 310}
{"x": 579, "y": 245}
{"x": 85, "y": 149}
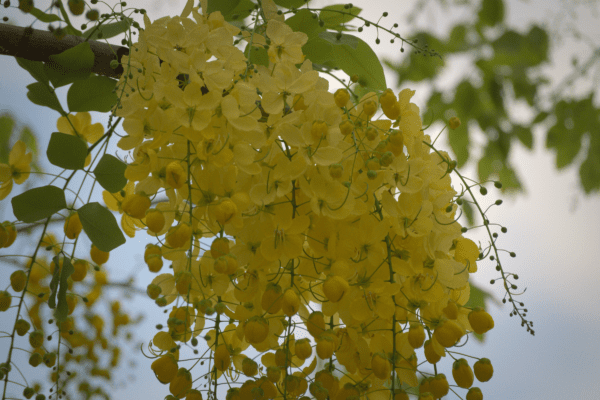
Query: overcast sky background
{"x": 553, "y": 228}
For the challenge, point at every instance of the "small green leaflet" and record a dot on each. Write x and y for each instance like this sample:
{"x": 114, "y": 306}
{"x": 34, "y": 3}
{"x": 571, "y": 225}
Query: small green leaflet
{"x": 61, "y": 308}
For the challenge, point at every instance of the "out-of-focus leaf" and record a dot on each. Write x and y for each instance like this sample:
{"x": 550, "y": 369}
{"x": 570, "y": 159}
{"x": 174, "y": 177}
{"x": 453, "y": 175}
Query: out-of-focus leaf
{"x": 336, "y": 15}
{"x": 524, "y": 134}
{"x": 62, "y": 307}
{"x": 35, "y": 68}
{"x": 317, "y": 50}
{"x": 290, "y": 3}
{"x": 38, "y": 203}
{"x": 110, "y": 173}
{"x": 40, "y": 94}
{"x": 241, "y": 11}
{"x": 363, "y": 62}
{"x": 491, "y": 12}
{"x": 510, "y": 180}
{"x": 54, "y": 283}
{"x": 70, "y": 65}
{"x": 420, "y": 67}
{"x": 459, "y": 142}
{"x": 540, "y": 117}
{"x": 7, "y": 124}
{"x": 108, "y": 30}
{"x": 303, "y": 21}
{"x": 589, "y": 171}
{"x": 258, "y": 56}
{"x": 92, "y": 94}
{"x": 468, "y": 212}
{"x": 224, "y": 6}
{"x": 67, "y": 151}
{"x": 42, "y": 16}
{"x": 332, "y": 38}
{"x": 101, "y": 226}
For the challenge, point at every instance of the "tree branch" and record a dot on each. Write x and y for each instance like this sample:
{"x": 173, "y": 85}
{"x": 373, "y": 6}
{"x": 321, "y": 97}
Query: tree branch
{"x": 38, "y": 45}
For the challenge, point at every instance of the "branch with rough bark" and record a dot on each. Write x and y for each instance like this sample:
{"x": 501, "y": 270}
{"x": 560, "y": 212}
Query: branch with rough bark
{"x": 38, "y": 45}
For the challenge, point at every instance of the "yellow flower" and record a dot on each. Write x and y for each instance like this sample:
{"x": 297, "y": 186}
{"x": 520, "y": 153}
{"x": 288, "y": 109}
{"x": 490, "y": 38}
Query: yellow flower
{"x": 81, "y": 125}
{"x": 16, "y": 170}
{"x": 286, "y": 45}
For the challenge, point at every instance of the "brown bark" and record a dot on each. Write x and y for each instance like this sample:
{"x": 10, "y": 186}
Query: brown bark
{"x": 38, "y": 45}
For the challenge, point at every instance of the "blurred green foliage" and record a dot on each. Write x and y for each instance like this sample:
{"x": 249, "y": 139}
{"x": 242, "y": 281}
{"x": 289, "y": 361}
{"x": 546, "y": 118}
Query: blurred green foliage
{"x": 506, "y": 65}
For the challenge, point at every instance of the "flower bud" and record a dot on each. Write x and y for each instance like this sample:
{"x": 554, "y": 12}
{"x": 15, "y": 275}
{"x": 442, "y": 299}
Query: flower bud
{"x": 219, "y": 247}
{"x": 49, "y": 359}
{"x": 303, "y": 349}
{"x": 318, "y": 131}
{"x": 273, "y": 374}
{"x": 98, "y": 256}
{"x": 80, "y": 270}
{"x": 181, "y": 384}
{"x": 299, "y": 103}
{"x": 346, "y": 127}
{"x": 225, "y": 211}
{"x": 315, "y": 325}
{"x": 474, "y": 394}
{"x": 256, "y": 330}
{"x": 416, "y": 335}
{"x": 136, "y": 205}
{"x": 454, "y": 123}
{"x": 483, "y": 370}
{"x": 326, "y": 346}
{"x": 451, "y": 310}
{"x": 462, "y": 373}
{"x": 480, "y": 320}
{"x": 183, "y": 280}
{"x": 341, "y": 97}
{"x": 439, "y": 386}
{"x": 222, "y": 358}
{"x": 175, "y": 175}
{"x": 272, "y": 299}
{"x": 22, "y": 327}
{"x": 430, "y": 354}
{"x": 370, "y": 108}
{"x": 165, "y": 368}
{"x": 36, "y": 339}
{"x": 155, "y": 220}
{"x": 179, "y": 235}
{"x": 153, "y": 291}
{"x": 73, "y": 227}
{"x": 226, "y": 264}
{"x": 335, "y": 287}
{"x": 249, "y": 367}
{"x": 381, "y": 366}
{"x": 5, "y": 300}
{"x": 35, "y": 359}
{"x": 290, "y": 303}
{"x": 18, "y": 279}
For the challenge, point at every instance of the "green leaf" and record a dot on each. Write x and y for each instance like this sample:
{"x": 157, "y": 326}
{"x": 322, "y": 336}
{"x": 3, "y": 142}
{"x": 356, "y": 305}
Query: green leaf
{"x": 540, "y": 117}
{"x": 101, "y": 226}
{"x": 241, "y": 11}
{"x": 459, "y": 142}
{"x": 524, "y": 134}
{"x": 70, "y": 65}
{"x": 67, "y": 151}
{"x": 92, "y": 94}
{"x": 110, "y": 173}
{"x": 317, "y": 50}
{"x": 488, "y": 164}
{"x": 40, "y": 94}
{"x": 62, "y": 308}
{"x": 7, "y": 124}
{"x": 491, "y": 12}
{"x": 226, "y": 7}
{"x": 290, "y": 3}
{"x": 259, "y": 55}
{"x": 420, "y": 67}
{"x": 35, "y": 68}
{"x": 510, "y": 180}
{"x": 54, "y": 282}
{"x": 361, "y": 61}
{"x": 108, "y": 30}
{"x": 42, "y": 16}
{"x": 589, "y": 171}
{"x": 467, "y": 209}
{"x": 303, "y": 21}
{"x": 332, "y": 38}
{"x": 337, "y": 15}
{"x": 38, "y": 203}
{"x": 478, "y": 297}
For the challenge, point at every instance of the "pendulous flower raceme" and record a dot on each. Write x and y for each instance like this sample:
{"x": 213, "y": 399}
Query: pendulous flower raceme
{"x": 308, "y": 236}
{"x": 312, "y": 203}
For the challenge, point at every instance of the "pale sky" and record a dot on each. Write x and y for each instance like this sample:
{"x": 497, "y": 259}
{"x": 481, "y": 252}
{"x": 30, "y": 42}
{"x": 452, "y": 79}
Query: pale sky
{"x": 554, "y": 229}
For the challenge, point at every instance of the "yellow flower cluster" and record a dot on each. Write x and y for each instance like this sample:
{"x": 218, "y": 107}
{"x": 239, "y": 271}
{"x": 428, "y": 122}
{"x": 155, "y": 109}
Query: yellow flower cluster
{"x": 325, "y": 221}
